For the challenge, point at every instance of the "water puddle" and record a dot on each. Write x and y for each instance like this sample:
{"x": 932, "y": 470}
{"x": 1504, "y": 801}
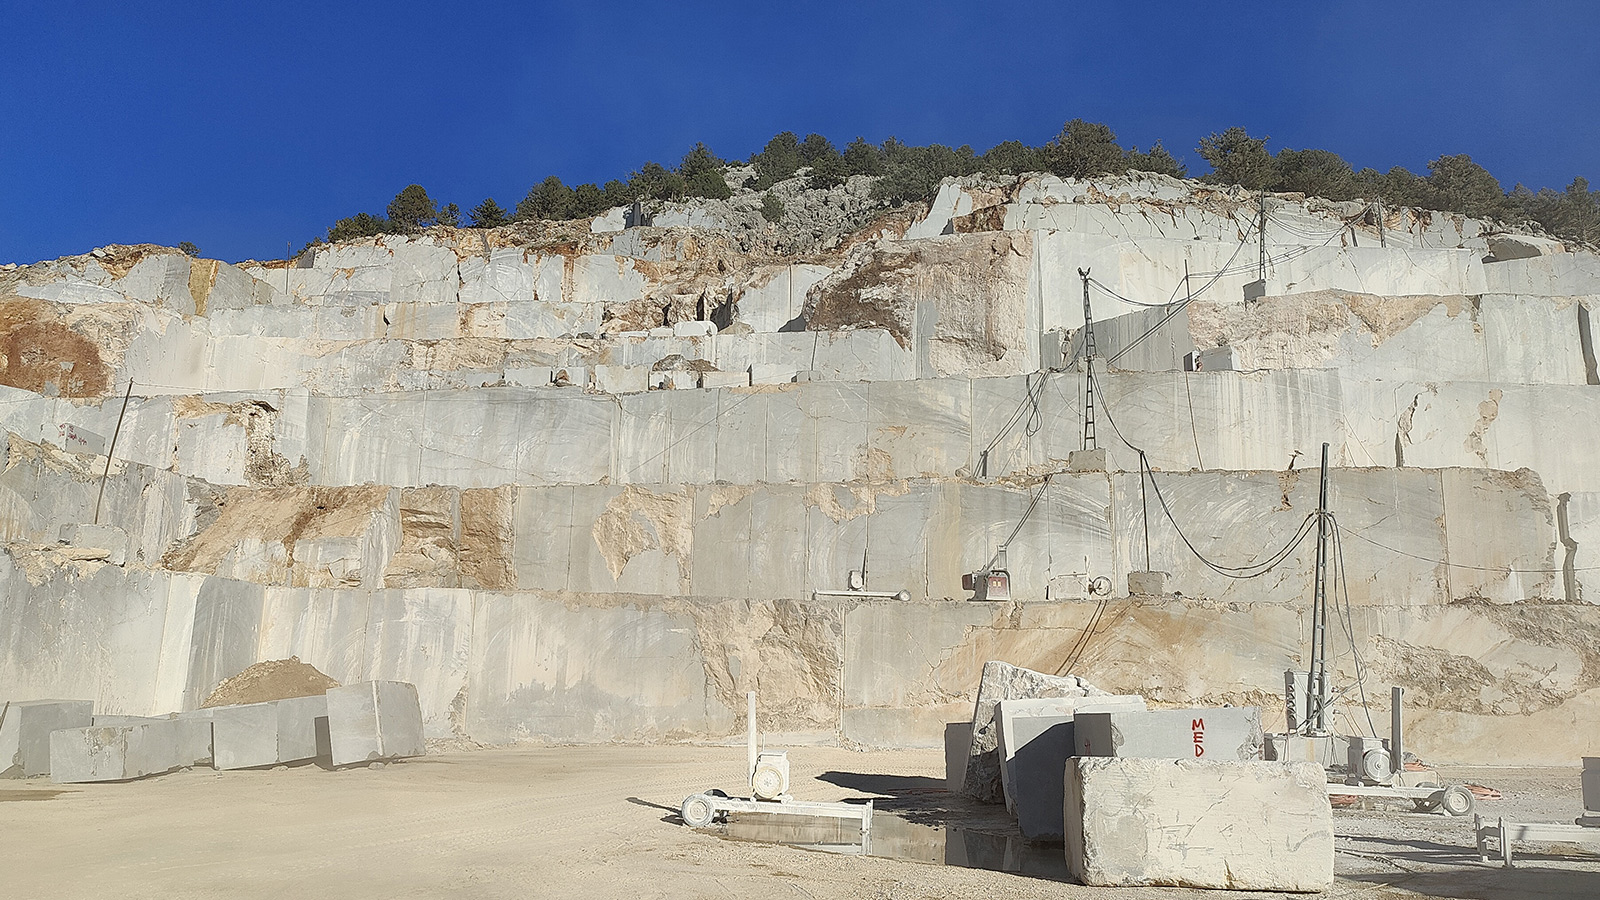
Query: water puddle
{"x": 894, "y": 837}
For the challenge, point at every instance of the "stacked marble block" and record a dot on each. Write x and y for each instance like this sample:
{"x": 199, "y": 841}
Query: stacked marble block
{"x": 351, "y": 725}
{"x": 1036, "y": 738}
{"x": 276, "y": 732}
{"x": 1182, "y": 797}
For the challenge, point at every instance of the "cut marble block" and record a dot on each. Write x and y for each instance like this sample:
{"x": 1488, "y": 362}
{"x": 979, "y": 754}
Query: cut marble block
{"x": 297, "y": 727}
{"x": 25, "y": 732}
{"x": 243, "y": 736}
{"x": 1004, "y": 681}
{"x": 957, "y": 742}
{"x": 1036, "y": 738}
{"x": 1222, "y": 733}
{"x": 117, "y": 752}
{"x": 375, "y": 720}
{"x": 1235, "y": 825}
{"x": 1057, "y": 709}
{"x": 264, "y": 734}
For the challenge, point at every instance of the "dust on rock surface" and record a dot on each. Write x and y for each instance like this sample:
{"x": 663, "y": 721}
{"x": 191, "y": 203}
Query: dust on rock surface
{"x": 273, "y": 679}
{"x": 601, "y": 821}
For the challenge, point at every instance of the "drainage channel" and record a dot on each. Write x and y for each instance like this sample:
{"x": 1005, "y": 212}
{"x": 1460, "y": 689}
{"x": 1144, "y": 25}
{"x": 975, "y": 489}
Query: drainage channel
{"x": 896, "y": 838}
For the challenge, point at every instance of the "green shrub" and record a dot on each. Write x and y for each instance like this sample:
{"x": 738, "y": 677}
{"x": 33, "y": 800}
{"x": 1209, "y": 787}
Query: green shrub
{"x": 708, "y": 184}
{"x": 1084, "y": 150}
{"x": 1011, "y": 158}
{"x": 912, "y": 174}
{"x": 1158, "y": 160}
{"x": 1237, "y": 158}
{"x": 1316, "y": 173}
{"x": 1461, "y": 185}
{"x": 771, "y": 208}
{"x": 548, "y": 200}
{"x": 360, "y": 225}
{"x": 862, "y": 158}
{"x": 779, "y": 159}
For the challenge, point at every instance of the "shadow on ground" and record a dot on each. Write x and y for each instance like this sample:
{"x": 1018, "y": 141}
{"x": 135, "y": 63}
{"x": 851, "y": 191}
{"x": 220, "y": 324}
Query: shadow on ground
{"x": 922, "y": 800}
{"x": 1487, "y": 881}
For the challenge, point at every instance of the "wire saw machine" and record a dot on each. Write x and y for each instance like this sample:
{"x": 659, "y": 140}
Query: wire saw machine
{"x": 1356, "y": 766}
{"x": 767, "y": 772}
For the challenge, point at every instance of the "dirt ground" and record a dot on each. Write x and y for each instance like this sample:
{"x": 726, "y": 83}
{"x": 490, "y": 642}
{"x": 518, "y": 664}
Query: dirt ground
{"x": 602, "y": 822}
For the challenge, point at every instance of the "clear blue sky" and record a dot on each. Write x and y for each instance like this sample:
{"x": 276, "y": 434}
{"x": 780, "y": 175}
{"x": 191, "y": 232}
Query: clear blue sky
{"x": 241, "y": 126}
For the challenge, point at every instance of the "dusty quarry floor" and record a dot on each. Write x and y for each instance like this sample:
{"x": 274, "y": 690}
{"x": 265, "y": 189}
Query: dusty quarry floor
{"x": 601, "y": 822}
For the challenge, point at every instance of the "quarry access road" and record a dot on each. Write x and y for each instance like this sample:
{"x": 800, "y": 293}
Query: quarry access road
{"x": 600, "y": 821}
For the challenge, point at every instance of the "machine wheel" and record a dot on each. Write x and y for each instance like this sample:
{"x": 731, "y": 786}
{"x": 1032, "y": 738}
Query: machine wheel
{"x": 697, "y": 811}
{"x": 1457, "y": 801}
{"x": 1428, "y": 805}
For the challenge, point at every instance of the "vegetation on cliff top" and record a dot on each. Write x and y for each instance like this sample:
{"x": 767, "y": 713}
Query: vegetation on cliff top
{"x": 906, "y": 173}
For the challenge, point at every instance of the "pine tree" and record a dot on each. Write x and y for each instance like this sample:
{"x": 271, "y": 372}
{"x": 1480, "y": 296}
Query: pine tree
{"x": 1238, "y": 158}
{"x": 412, "y": 208}
{"x": 488, "y": 214}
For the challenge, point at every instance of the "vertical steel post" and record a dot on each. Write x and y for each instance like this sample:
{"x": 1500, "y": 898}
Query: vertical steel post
{"x": 1262, "y": 236}
{"x": 749, "y": 735}
{"x": 1397, "y": 752}
{"x": 1088, "y": 365}
{"x": 1316, "y": 675}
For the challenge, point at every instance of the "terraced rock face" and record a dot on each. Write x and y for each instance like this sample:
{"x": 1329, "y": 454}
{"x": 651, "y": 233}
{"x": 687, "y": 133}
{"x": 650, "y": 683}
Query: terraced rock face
{"x": 583, "y": 482}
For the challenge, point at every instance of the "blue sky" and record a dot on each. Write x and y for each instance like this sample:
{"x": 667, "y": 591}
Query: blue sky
{"x": 241, "y": 127}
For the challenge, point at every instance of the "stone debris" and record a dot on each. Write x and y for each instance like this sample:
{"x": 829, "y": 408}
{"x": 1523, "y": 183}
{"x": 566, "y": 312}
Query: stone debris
{"x": 273, "y": 679}
{"x": 108, "y": 538}
{"x": 1004, "y": 681}
{"x": 1233, "y": 825}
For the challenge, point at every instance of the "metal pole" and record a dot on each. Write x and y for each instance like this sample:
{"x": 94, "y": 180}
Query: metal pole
{"x": 1144, "y": 503}
{"x": 1316, "y": 676}
{"x": 1088, "y": 365}
{"x": 750, "y": 735}
{"x": 1397, "y": 753}
{"x": 110, "y": 450}
{"x": 1263, "y": 239}
{"x": 1382, "y": 241}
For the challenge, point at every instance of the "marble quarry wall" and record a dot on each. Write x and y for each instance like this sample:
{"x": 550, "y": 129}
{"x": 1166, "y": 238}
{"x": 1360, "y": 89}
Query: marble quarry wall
{"x": 585, "y": 482}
